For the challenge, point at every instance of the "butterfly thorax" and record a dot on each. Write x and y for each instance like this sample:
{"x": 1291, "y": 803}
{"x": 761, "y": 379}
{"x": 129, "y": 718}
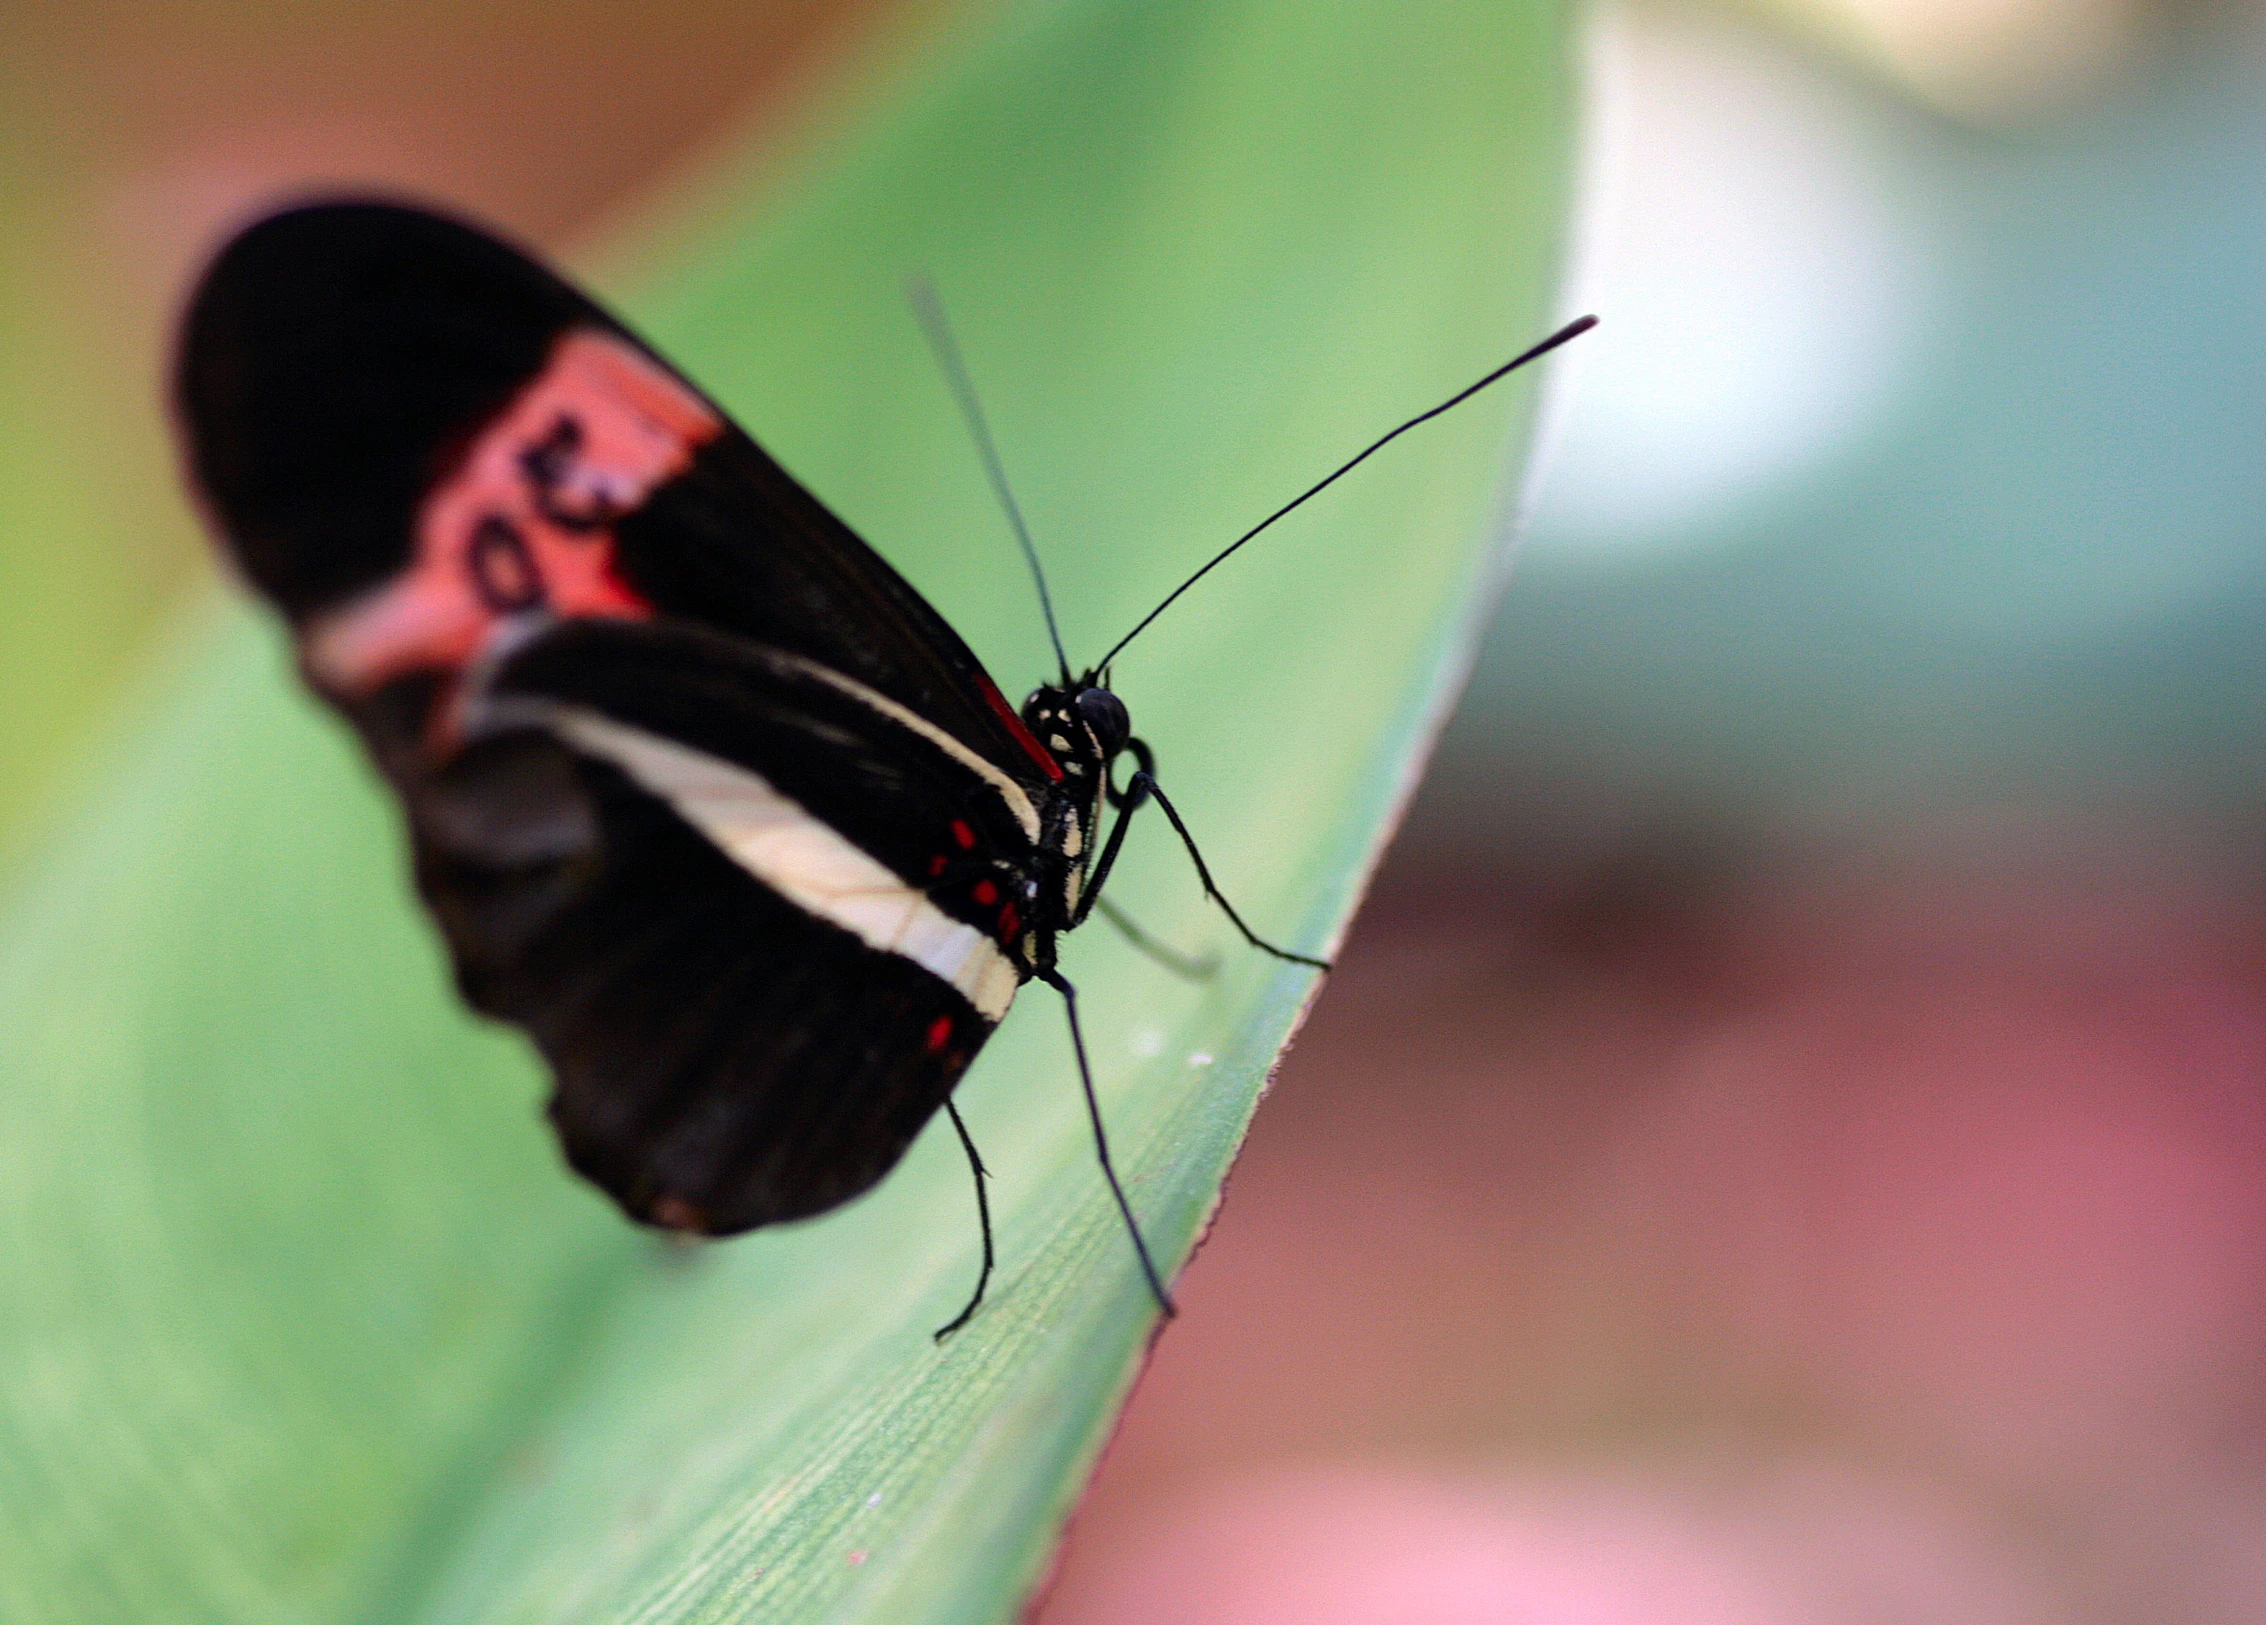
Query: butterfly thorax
{"x": 1084, "y": 727}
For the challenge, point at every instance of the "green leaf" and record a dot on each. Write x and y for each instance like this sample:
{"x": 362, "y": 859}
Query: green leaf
{"x": 299, "y": 1316}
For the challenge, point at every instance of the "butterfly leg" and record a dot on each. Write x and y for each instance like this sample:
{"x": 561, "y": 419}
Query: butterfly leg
{"x": 1056, "y": 980}
{"x": 1142, "y": 787}
{"x": 983, "y": 1218}
{"x": 1189, "y": 967}
{"x": 1127, "y": 802}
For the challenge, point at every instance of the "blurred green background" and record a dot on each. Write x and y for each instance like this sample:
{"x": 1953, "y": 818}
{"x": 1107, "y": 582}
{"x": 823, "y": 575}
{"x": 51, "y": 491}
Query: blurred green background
{"x": 1785, "y": 1144}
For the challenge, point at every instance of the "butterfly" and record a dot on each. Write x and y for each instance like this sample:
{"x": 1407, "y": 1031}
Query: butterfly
{"x": 702, "y": 795}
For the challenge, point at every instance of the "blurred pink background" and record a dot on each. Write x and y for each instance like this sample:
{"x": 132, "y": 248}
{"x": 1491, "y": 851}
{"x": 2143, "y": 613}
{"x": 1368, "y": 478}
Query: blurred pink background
{"x": 1837, "y": 1242}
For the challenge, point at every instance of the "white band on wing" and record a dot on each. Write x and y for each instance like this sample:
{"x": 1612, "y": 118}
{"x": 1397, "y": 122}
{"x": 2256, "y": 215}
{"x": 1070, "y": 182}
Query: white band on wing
{"x": 798, "y": 855}
{"x": 1009, "y": 791}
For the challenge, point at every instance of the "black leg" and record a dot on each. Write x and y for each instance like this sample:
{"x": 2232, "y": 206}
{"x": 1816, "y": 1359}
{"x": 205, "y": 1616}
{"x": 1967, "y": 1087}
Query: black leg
{"x": 1143, "y": 757}
{"x": 1127, "y": 802}
{"x": 1144, "y": 786}
{"x": 1189, "y": 966}
{"x": 983, "y": 1218}
{"x": 1055, "y": 980}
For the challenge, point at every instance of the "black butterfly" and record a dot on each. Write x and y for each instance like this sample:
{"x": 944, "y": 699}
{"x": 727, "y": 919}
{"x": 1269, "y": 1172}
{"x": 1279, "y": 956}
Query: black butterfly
{"x": 703, "y": 796}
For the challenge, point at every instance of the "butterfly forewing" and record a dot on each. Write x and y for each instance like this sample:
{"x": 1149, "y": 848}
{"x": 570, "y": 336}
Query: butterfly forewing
{"x": 342, "y": 366}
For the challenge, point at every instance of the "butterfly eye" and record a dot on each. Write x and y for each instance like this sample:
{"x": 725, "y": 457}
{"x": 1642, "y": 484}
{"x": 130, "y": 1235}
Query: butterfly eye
{"x": 1104, "y": 713}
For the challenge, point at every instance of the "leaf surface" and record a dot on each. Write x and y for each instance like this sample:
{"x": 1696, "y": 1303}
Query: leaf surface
{"x": 299, "y": 1316}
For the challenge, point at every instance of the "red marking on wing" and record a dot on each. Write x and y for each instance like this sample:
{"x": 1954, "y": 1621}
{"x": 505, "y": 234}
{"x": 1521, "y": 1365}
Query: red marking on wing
{"x": 986, "y": 893}
{"x": 1023, "y": 736}
{"x": 1010, "y": 922}
{"x": 601, "y": 427}
{"x": 939, "y": 1034}
{"x": 963, "y": 832}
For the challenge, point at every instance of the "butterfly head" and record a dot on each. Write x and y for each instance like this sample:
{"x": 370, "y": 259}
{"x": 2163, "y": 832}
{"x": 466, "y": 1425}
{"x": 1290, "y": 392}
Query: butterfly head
{"x": 1082, "y": 724}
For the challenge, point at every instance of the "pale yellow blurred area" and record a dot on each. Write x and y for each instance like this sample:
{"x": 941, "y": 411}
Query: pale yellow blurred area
{"x": 1994, "y": 62}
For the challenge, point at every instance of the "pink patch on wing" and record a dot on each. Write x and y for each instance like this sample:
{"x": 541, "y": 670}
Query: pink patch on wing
{"x": 525, "y": 522}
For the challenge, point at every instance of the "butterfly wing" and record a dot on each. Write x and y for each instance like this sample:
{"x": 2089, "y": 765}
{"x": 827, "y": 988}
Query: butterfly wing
{"x": 703, "y": 795}
{"x": 757, "y": 923}
{"x": 377, "y": 398}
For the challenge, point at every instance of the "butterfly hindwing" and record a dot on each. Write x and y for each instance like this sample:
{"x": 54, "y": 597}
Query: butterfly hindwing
{"x": 721, "y": 1059}
{"x": 749, "y": 1012}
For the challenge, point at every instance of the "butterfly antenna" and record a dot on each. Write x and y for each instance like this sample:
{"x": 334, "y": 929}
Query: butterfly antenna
{"x": 930, "y": 310}
{"x": 1571, "y": 330}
